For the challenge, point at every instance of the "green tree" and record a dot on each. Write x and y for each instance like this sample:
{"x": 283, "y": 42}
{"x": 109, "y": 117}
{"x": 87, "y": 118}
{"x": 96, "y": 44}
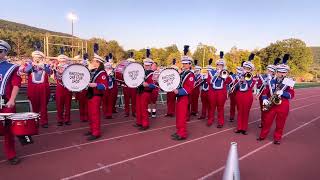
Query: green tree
{"x": 203, "y": 53}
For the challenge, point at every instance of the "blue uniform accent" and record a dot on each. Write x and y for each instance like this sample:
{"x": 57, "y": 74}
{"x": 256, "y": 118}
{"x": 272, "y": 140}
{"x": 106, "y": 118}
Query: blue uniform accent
{"x": 101, "y": 86}
{"x": 217, "y": 82}
{"x": 152, "y": 86}
{"x": 47, "y": 68}
{"x": 182, "y": 92}
{"x": 6, "y": 70}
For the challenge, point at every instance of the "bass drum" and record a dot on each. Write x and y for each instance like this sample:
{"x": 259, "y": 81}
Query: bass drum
{"x": 76, "y": 77}
{"x": 169, "y": 79}
{"x": 130, "y": 73}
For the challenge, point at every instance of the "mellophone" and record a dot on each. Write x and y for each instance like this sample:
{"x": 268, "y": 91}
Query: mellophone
{"x": 23, "y": 125}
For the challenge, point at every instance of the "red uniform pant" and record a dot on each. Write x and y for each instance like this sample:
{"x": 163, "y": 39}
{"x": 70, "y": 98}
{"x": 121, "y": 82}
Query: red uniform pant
{"x": 9, "y": 143}
{"x": 83, "y": 105}
{"x": 39, "y": 95}
{"x": 129, "y": 95}
{"x": 194, "y": 100}
{"x": 182, "y": 116}
{"x": 205, "y": 103}
{"x": 244, "y": 102}
{"x": 232, "y": 105}
{"x": 94, "y": 115}
{"x": 171, "y": 103}
{"x": 114, "y": 96}
{"x": 107, "y": 103}
{"x": 217, "y": 99}
{"x": 154, "y": 96}
{"x": 63, "y": 103}
{"x": 143, "y": 101}
{"x": 280, "y": 114}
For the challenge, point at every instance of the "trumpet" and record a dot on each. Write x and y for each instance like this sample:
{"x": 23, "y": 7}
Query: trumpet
{"x": 224, "y": 74}
{"x": 248, "y": 76}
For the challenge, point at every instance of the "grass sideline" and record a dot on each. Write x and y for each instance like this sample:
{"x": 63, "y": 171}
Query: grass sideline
{"x": 306, "y": 85}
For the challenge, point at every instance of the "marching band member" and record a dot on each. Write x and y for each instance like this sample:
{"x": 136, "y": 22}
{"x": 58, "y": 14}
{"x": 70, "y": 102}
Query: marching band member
{"x": 97, "y": 86}
{"x": 38, "y": 91}
{"x": 204, "y": 92}
{"x": 279, "y": 111}
{"x": 182, "y": 93}
{"x": 244, "y": 97}
{"x": 63, "y": 95}
{"x": 108, "y": 97}
{"x": 129, "y": 95}
{"x": 196, "y": 91}
{"x": 114, "y": 89}
{"x": 155, "y": 92}
{"x": 82, "y": 96}
{"x": 171, "y": 96}
{"x": 10, "y": 81}
{"x": 218, "y": 91}
{"x": 262, "y": 83}
{"x": 232, "y": 95}
{"x": 144, "y": 92}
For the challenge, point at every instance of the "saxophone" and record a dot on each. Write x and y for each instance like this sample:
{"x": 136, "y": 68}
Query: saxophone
{"x": 275, "y": 99}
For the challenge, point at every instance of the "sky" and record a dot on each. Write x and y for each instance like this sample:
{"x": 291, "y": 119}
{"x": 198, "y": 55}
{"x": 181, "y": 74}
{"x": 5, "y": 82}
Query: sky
{"x": 137, "y": 24}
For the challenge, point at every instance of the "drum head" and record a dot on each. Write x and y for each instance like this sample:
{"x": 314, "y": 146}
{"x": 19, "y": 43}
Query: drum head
{"x": 76, "y": 77}
{"x": 133, "y": 75}
{"x": 23, "y": 116}
{"x": 169, "y": 79}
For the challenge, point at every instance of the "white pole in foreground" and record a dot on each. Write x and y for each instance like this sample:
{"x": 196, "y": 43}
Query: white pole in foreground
{"x": 232, "y": 171}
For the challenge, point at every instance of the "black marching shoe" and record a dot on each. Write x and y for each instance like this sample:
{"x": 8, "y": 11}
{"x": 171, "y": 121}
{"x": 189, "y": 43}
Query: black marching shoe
{"x": 44, "y": 125}
{"x": 260, "y": 139}
{"x": 14, "y": 161}
{"x": 231, "y": 119}
{"x": 220, "y": 126}
{"x": 178, "y": 138}
{"x": 276, "y": 142}
{"x": 68, "y": 123}
{"x": 144, "y": 128}
{"x": 244, "y": 132}
{"x": 92, "y": 137}
{"x": 87, "y": 133}
{"x": 60, "y": 124}
{"x": 137, "y": 125}
{"x": 237, "y": 131}
{"x": 174, "y": 135}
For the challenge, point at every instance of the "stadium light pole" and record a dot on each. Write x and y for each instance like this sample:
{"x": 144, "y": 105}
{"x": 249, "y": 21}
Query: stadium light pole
{"x": 72, "y": 17}
{"x": 204, "y": 53}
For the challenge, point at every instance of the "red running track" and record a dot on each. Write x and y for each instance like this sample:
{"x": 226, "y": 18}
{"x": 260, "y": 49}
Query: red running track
{"x": 125, "y": 153}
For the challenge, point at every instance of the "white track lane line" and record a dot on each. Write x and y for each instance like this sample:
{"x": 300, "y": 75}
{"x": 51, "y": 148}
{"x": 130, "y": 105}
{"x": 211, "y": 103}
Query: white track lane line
{"x": 160, "y": 150}
{"x": 257, "y": 149}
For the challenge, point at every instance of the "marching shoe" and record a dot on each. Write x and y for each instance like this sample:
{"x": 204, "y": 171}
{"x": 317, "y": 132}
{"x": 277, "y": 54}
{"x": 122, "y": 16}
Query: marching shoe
{"x": 174, "y": 135}
{"x": 137, "y": 125}
{"x": 14, "y": 161}
{"x": 87, "y": 133}
{"x": 60, "y": 124}
{"x": 244, "y": 132}
{"x": 276, "y": 142}
{"x": 194, "y": 114}
{"x": 260, "y": 139}
{"x": 92, "y": 137}
{"x": 231, "y": 119}
{"x": 44, "y": 125}
{"x": 144, "y": 128}
{"x": 68, "y": 123}
{"x": 237, "y": 131}
{"x": 178, "y": 138}
{"x": 220, "y": 126}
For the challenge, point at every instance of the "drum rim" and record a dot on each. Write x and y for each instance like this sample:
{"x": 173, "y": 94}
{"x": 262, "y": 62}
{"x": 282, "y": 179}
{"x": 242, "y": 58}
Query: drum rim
{"x": 67, "y": 68}
{"x": 144, "y": 75}
{"x": 170, "y": 69}
{"x": 14, "y": 117}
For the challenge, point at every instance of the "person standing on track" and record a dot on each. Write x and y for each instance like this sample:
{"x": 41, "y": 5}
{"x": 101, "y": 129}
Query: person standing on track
{"x": 232, "y": 95}
{"x": 282, "y": 88}
{"x": 108, "y": 97}
{"x": 204, "y": 91}
{"x": 38, "y": 83}
{"x": 196, "y": 91}
{"x": 155, "y": 92}
{"x": 182, "y": 93}
{"x": 217, "y": 91}
{"x": 10, "y": 82}
{"x": 171, "y": 96}
{"x": 97, "y": 86}
{"x": 244, "y": 97}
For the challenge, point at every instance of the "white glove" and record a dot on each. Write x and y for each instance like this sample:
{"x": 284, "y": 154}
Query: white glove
{"x": 265, "y": 102}
{"x": 279, "y": 93}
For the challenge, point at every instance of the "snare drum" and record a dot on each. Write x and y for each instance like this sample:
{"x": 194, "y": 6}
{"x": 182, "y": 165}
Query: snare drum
{"x": 24, "y": 124}
{"x": 2, "y": 125}
{"x": 76, "y": 77}
{"x": 169, "y": 79}
{"x": 130, "y": 73}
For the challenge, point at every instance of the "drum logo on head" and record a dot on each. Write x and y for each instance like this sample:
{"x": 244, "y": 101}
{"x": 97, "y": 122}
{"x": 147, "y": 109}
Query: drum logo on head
{"x": 133, "y": 74}
{"x": 168, "y": 79}
{"x": 76, "y": 77}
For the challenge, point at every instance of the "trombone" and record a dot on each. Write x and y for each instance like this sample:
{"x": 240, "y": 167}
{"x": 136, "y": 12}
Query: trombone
{"x": 247, "y": 77}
